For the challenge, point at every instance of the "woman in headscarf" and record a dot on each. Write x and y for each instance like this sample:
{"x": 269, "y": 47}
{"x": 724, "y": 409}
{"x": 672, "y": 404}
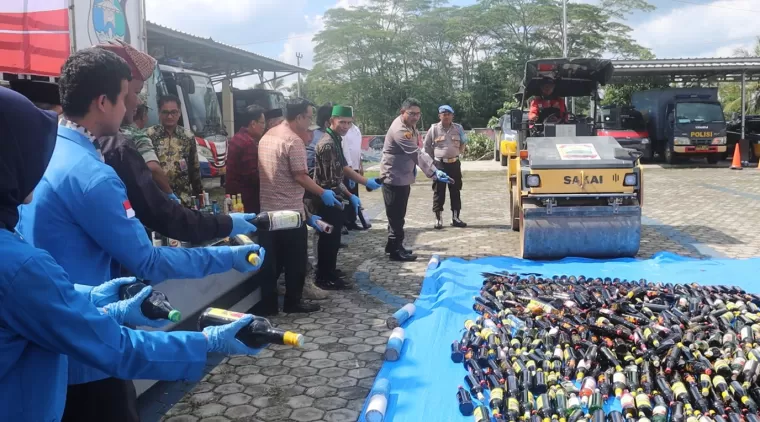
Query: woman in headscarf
{"x": 44, "y": 318}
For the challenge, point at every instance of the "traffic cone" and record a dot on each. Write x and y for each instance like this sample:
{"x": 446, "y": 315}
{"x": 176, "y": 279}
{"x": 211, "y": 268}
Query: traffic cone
{"x": 736, "y": 163}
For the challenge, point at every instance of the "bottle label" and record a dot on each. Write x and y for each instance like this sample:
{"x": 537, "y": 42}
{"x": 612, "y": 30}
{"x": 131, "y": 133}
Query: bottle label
{"x": 283, "y": 220}
{"x": 679, "y": 389}
{"x": 225, "y": 314}
{"x": 497, "y": 394}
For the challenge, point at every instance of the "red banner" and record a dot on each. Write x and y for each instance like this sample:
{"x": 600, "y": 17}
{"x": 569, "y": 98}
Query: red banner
{"x": 34, "y": 41}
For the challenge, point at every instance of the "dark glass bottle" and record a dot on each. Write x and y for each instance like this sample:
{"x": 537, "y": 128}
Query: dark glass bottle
{"x": 156, "y": 306}
{"x": 257, "y": 334}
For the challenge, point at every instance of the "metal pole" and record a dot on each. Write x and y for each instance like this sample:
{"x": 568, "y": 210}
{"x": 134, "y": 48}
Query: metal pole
{"x": 299, "y": 56}
{"x": 744, "y": 81}
{"x": 564, "y": 45}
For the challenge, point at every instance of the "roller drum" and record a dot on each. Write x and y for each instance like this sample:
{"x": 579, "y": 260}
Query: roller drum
{"x": 580, "y": 231}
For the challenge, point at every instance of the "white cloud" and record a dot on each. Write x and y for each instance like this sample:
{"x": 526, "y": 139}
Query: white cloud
{"x": 201, "y": 17}
{"x": 302, "y": 42}
{"x": 709, "y": 30}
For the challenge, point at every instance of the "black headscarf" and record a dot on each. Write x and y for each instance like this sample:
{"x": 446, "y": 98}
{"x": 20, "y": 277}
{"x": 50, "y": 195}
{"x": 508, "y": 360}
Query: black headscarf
{"x": 27, "y": 139}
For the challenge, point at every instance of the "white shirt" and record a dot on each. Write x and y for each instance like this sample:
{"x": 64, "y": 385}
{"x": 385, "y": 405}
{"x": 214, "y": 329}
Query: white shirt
{"x": 352, "y": 147}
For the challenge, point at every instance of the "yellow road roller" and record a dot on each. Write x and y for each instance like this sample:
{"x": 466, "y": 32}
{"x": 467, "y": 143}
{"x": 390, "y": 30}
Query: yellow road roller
{"x": 571, "y": 193}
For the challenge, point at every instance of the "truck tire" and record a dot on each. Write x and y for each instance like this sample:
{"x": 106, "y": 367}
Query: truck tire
{"x": 670, "y": 156}
{"x": 713, "y": 158}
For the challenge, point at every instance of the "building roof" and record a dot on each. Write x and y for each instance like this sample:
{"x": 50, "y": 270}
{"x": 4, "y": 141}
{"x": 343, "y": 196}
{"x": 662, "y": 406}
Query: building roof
{"x": 686, "y": 70}
{"x": 209, "y": 56}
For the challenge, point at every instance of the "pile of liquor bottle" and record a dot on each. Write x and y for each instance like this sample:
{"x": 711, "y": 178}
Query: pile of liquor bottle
{"x": 232, "y": 203}
{"x": 570, "y": 349}
{"x": 203, "y": 204}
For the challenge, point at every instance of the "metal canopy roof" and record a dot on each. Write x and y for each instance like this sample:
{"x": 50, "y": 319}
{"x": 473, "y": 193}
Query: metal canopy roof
{"x": 686, "y": 70}
{"x": 212, "y": 57}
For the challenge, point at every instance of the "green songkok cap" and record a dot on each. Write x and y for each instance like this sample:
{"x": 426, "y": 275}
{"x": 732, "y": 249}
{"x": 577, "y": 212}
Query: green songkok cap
{"x": 342, "y": 111}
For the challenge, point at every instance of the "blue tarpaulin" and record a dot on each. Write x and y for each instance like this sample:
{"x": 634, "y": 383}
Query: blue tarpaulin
{"x": 423, "y": 382}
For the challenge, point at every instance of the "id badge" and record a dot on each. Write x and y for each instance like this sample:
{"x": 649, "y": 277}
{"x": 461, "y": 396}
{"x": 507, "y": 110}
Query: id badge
{"x": 183, "y": 164}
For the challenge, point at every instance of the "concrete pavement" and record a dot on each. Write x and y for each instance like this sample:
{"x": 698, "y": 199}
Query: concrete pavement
{"x": 698, "y": 212}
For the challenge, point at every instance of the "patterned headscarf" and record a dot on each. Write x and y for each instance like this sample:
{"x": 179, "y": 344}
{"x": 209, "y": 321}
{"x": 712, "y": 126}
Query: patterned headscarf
{"x": 141, "y": 64}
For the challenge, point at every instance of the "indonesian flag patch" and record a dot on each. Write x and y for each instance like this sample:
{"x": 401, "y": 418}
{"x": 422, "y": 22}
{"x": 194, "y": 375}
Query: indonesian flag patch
{"x": 128, "y": 209}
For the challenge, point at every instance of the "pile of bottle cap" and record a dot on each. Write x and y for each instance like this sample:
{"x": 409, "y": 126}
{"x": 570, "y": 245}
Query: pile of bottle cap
{"x": 570, "y": 349}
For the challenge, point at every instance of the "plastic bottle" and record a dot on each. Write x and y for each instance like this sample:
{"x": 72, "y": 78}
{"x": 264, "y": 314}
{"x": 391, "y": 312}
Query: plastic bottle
{"x": 156, "y": 306}
{"x": 257, "y": 334}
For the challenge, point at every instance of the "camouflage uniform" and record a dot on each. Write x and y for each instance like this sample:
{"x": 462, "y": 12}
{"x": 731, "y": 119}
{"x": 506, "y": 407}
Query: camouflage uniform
{"x": 141, "y": 141}
{"x": 178, "y": 156}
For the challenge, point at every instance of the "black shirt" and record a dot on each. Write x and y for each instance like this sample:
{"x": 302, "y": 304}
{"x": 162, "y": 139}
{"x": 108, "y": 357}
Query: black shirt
{"x": 151, "y": 205}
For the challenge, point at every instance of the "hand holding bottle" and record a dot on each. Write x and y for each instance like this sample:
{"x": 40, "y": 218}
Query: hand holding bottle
{"x": 247, "y": 258}
{"x": 372, "y": 184}
{"x": 313, "y": 222}
{"x": 354, "y": 200}
{"x": 108, "y": 292}
{"x": 129, "y": 311}
{"x": 221, "y": 338}
{"x": 329, "y": 199}
{"x": 241, "y": 223}
{"x": 441, "y": 176}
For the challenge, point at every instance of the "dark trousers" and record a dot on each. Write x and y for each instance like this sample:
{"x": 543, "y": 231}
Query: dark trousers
{"x": 396, "y": 199}
{"x": 108, "y": 399}
{"x": 453, "y": 170}
{"x": 286, "y": 250}
{"x": 349, "y": 212}
{"x": 329, "y": 243}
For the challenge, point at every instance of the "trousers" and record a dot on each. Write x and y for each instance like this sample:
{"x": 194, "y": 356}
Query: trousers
{"x": 287, "y": 251}
{"x": 453, "y": 170}
{"x": 396, "y": 199}
{"x": 349, "y": 212}
{"x": 109, "y": 399}
{"x": 329, "y": 243}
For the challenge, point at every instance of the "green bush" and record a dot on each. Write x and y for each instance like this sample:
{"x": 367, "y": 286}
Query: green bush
{"x": 478, "y": 145}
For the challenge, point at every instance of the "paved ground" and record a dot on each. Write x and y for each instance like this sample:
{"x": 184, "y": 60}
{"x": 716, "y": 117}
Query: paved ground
{"x": 698, "y": 212}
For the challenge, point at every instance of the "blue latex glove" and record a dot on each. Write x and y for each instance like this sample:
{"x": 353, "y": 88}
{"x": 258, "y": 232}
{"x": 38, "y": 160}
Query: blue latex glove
{"x": 372, "y": 184}
{"x": 108, "y": 292}
{"x": 351, "y": 184}
{"x": 240, "y": 258}
{"x": 354, "y": 200}
{"x": 173, "y": 197}
{"x": 313, "y": 222}
{"x": 441, "y": 176}
{"x": 221, "y": 338}
{"x": 128, "y": 311}
{"x": 329, "y": 199}
{"x": 240, "y": 224}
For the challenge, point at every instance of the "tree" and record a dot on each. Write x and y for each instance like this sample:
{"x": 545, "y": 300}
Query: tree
{"x": 375, "y": 56}
{"x": 275, "y": 85}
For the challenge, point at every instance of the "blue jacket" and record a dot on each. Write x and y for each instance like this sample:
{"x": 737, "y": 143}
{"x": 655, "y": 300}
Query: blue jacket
{"x": 43, "y": 318}
{"x": 82, "y": 217}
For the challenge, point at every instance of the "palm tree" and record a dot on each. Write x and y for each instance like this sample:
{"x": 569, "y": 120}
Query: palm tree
{"x": 753, "y": 89}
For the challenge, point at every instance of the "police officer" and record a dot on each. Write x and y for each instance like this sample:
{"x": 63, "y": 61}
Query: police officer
{"x": 445, "y": 142}
{"x": 401, "y": 155}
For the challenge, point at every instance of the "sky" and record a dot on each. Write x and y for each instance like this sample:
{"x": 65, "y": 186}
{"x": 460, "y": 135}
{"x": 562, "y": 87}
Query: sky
{"x": 676, "y": 29}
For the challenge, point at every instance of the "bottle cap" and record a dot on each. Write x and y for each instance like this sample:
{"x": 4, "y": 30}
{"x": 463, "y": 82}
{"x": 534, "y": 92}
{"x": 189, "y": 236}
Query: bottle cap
{"x": 175, "y": 315}
{"x": 253, "y": 259}
{"x": 292, "y": 339}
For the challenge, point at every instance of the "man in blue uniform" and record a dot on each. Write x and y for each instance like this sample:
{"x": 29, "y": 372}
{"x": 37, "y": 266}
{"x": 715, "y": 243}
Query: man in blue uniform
{"x": 83, "y": 218}
{"x": 45, "y": 319}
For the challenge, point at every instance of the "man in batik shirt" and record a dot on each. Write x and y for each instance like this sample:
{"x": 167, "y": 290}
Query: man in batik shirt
{"x": 176, "y": 151}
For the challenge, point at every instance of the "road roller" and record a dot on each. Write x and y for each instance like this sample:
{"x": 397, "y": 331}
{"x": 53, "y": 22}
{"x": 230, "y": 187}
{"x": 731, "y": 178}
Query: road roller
{"x": 571, "y": 193}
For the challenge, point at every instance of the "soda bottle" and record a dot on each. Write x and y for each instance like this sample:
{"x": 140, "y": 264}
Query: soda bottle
{"x": 277, "y": 220}
{"x": 156, "y": 306}
{"x": 258, "y": 333}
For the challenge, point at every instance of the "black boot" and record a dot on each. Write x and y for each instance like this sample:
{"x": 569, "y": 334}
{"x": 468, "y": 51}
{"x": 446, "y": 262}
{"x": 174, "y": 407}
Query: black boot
{"x": 402, "y": 255}
{"x": 389, "y": 247}
{"x": 438, "y": 220}
{"x": 455, "y": 221}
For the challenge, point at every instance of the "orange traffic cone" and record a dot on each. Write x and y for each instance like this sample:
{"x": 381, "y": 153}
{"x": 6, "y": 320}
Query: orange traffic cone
{"x": 736, "y": 163}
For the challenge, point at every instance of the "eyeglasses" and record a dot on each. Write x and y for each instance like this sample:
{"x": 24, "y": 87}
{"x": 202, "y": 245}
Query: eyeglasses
{"x": 413, "y": 113}
{"x": 173, "y": 113}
